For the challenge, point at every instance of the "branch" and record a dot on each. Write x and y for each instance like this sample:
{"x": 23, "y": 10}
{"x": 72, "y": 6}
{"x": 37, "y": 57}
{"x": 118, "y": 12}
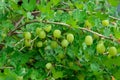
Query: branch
{"x": 5, "y": 67}
{"x": 1, "y": 45}
{"x": 114, "y": 18}
{"x": 19, "y": 42}
{"x": 100, "y": 35}
{"x": 32, "y": 42}
{"x": 64, "y": 9}
{"x": 68, "y": 26}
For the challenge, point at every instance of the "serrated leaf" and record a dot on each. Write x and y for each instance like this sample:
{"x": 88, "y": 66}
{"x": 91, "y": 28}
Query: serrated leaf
{"x": 29, "y": 5}
{"x": 94, "y": 67}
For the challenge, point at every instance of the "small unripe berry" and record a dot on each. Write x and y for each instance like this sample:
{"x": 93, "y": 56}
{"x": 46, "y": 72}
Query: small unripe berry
{"x": 27, "y": 43}
{"x": 112, "y": 51}
{"x": 48, "y": 28}
{"x": 70, "y": 37}
{"x": 105, "y": 22}
{"x": 42, "y": 34}
{"x": 38, "y": 30}
{"x": 57, "y": 33}
{"x": 27, "y": 35}
{"x": 100, "y": 48}
{"x": 64, "y": 43}
{"x": 39, "y": 44}
{"x": 49, "y": 66}
{"x": 88, "y": 40}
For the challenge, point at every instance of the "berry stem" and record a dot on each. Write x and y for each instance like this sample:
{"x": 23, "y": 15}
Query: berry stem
{"x": 32, "y": 41}
{"x": 19, "y": 42}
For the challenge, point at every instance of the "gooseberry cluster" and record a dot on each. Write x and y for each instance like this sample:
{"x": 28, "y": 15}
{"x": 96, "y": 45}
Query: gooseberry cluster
{"x": 56, "y": 37}
{"x": 100, "y": 48}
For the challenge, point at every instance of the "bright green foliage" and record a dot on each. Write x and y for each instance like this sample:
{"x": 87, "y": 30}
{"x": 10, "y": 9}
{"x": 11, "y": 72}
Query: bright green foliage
{"x": 59, "y": 40}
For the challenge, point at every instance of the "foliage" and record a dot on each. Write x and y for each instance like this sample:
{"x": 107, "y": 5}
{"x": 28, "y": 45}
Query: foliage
{"x": 47, "y": 40}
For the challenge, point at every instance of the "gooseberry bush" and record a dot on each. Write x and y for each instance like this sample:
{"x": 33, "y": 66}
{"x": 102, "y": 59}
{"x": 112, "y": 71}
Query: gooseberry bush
{"x": 59, "y": 40}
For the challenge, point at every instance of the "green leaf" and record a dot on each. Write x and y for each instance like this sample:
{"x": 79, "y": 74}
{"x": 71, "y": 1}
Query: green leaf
{"x": 114, "y": 2}
{"x": 57, "y": 74}
{"x": 29, "y": 15}
{"x": 116, "y": 33}
{"x": 94, "y": 67}
{"x": 107, "y": 32}
{"x": 79, "y": 16}
{"x": 29, "y": 5}
{"x": 55, "y": 2}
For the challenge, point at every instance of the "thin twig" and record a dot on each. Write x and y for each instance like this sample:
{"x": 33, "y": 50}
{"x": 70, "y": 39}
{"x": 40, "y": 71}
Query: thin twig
{"x": 48, "y": 72}
{"x": 100, "y": 35}
{"x": 19, "y": 42}
{"x": 32, "y": 42}
{"x": 114, "y": 18}
{"x": 65, "y": 9}
{"x": 35, "y": 12}
{"x": 62, "y": 66}
{"x": 19, "y": 21}
{"x": 6, "y": 67}
{"x": 22, "y": 48}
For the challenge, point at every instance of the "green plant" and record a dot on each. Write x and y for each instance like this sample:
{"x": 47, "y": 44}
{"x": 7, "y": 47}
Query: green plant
{"x": 59, "y": 40}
